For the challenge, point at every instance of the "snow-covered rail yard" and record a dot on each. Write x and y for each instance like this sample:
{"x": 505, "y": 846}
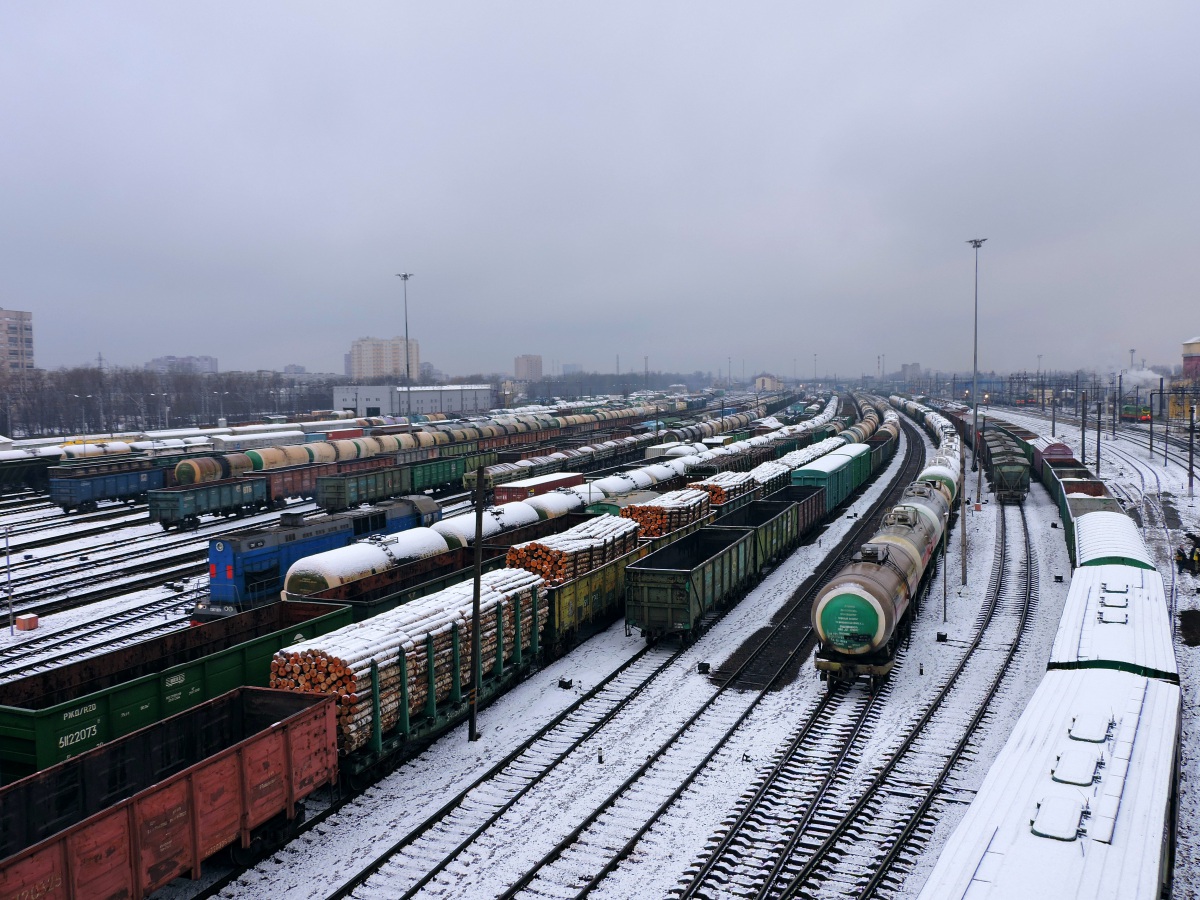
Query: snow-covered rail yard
{"x": 723, "y": 768}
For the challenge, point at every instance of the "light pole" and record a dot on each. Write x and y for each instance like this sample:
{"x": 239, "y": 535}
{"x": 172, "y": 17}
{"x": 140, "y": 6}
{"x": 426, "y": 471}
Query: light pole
{"x": 404, "y": 276}
{"x": 976, "y": 243}
{"x": 814, "y": 368}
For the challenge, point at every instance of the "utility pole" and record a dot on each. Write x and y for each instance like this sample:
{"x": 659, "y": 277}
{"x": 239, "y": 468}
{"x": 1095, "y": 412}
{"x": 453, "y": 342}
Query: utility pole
{"x": 1083, "y": 433}
{"x": 1099, "y": 424}
{"x": 476, "y": 641}
{"x": 404, "y": 276}
{"x": 1120, "y": 401}
{"x": 8, "y": 570}
{"x": 979, "y": 475}
{"x": 1166, "y": 429}
{"x": 1191, "y": 450}
{"x": 962, "y": 513}
{"x": 976, "y": 243}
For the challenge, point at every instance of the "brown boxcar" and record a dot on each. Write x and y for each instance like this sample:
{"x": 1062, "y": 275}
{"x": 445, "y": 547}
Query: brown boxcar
{"x": 533, "y": 487}
{"x": 124, "y": 819}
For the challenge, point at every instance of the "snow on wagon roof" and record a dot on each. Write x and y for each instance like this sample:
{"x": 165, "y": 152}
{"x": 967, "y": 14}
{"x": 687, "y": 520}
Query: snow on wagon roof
{"x": 1102, "y": 537}
{"x": 1116, "y": 617}
{"x": 1074, "y": 806}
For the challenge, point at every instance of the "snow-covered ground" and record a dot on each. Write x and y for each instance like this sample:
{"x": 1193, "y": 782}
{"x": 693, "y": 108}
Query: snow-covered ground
{"x": 400, "y": 802}
{"x": 98, "y": 548}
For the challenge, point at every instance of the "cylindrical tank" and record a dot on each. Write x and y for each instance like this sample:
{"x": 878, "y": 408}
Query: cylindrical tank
{"x": 336, "y": 567}
{"x": 296, "y": 455}
{"x": 267, "y": 458}
{"x": 198, "y": 471}
{"x": 321, "y": 452}
{"x": 235, "y": 464}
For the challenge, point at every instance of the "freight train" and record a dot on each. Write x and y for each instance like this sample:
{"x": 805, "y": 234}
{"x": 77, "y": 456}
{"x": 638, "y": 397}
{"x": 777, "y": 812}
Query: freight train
{"x": 316, "y": 576}
{"x": 861, "y": 615}
{"x": 672, "y": 591}
{"x": 1087, "y": 784}
{"x": 247, "y": 569}
{"x": 24, "y": 464}
{"x": 46, "y": 724}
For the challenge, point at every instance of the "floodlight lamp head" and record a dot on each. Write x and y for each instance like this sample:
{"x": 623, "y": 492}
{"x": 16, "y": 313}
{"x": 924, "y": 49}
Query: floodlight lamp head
{"x": 976, "y": 242}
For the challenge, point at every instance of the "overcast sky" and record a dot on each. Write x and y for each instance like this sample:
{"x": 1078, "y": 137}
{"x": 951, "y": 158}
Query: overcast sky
{"x": 689, "y": 181}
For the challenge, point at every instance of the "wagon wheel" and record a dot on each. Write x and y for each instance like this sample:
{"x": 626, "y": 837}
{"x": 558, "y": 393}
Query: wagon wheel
{"x": 245, "y": 857}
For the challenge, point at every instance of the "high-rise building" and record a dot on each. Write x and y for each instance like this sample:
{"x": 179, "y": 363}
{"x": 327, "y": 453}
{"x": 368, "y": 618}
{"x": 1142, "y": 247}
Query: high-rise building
{"x": 910, "y": 372}
{"x": 528, "y": 367}
{"x": 378, "y": 357}
{"x": 16, "y": 353}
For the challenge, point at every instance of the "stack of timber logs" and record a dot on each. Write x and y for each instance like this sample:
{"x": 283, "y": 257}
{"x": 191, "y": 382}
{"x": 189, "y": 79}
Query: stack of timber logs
{"x": 805, "y": 455}
{"x": 561, "y": 557}
{"x": 339, "y": 663}
{"x": 669, "y": 512}
{"x": 726, "y": 486}
{"x": 772, "y": 476}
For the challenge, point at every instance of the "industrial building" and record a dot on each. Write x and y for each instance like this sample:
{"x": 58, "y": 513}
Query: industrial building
{"x": 16, "y": 354}
{"x": 527, "y": 367}
{"x": 394, "y": 400}
{"x": 384, "y": 357}
{"x": 199, "y": 365}
{"x": 1191, "y": 359}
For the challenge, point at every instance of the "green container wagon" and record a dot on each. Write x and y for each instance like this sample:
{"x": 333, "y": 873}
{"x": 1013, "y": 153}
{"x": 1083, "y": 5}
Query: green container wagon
{"x": 1080, "y": 506}
{"x": 435, "y": 474}
{"x": 776, "y": 528}
{"x": 860, "y": 463}
{"x": 336, "y": 492}
{"x": 670, "y": 591}
{"x": 829, "y": 472}
{"x": 182, "y": 506}
{"x": 52, "y": 716}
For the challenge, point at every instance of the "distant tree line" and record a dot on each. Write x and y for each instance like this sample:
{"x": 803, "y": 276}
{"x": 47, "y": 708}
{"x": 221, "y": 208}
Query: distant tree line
{"x": 115, "y": 400}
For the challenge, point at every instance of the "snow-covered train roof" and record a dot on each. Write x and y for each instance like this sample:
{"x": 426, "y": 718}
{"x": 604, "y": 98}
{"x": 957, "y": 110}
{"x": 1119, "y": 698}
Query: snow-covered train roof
{"x": 1076, "y": 804}
{"x": 1109, "y": 537}
{"x": 1116, "y": 617}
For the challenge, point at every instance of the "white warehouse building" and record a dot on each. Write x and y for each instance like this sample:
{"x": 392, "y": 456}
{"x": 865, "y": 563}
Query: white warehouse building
{"x": 393, "y": 400}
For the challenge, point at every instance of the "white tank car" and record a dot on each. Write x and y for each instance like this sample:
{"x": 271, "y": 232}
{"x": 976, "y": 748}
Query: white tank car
{"x": 336, "y": 567}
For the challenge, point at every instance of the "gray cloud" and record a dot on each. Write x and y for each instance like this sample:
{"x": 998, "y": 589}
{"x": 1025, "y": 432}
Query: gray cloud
{"x": 690, "y": 181}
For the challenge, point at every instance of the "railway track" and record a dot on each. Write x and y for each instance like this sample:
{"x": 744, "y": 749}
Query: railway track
{"x": 1150, "y": 502}
{"x": 48, "y": 651}
{"x": 57, "y": 519}
{"x": 860, "y": 829}
{"x": 430, "y": 861}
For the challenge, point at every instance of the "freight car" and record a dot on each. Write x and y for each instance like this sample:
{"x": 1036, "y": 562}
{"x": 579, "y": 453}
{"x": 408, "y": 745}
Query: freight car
{"x": 862, "y": 614}
{"x": 345, "y": 491}
{"x": 672, "y": 590}
{"x": 246, "y": 569}
{"x": 182, "y": 506}
{"x": 1104, "y": 723}
{"x": 51, "y": 716}
{"x": 125, "y": 818}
